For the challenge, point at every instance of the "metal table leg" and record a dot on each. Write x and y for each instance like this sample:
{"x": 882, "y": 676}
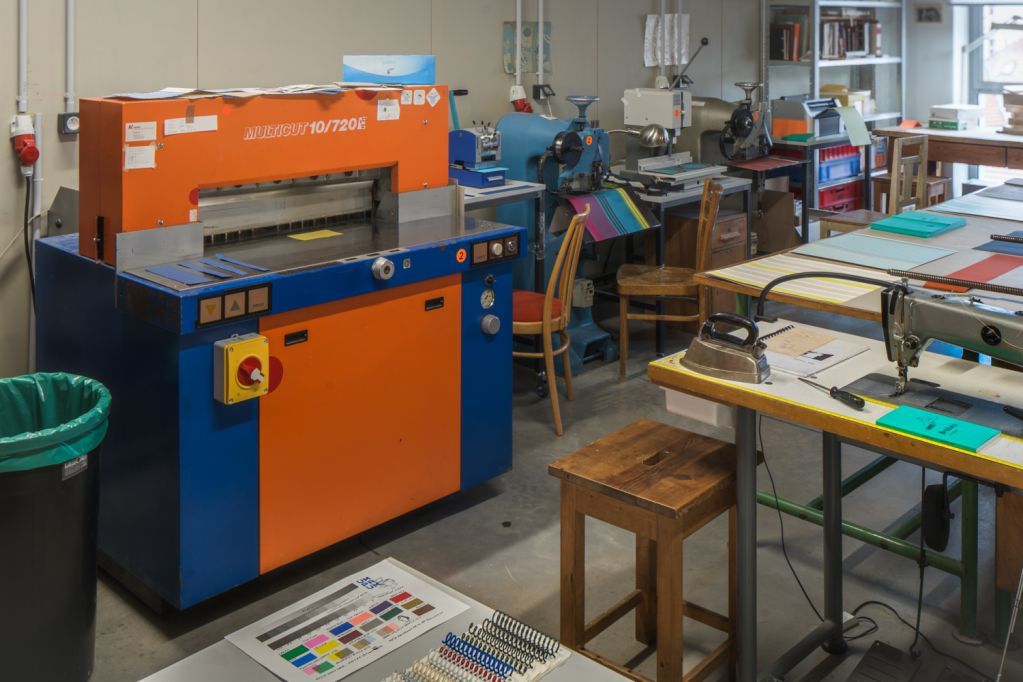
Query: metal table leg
{"x": 659, "y": 325}
{"x": 746, "y": 542}
{"x": 968, "y": 586}
{"x": 835, "y": 643}
{"x": 809, "y": 190}
{"x": 868, "y": 167}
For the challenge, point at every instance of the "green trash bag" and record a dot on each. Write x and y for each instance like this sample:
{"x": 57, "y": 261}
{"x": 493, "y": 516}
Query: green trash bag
{"x": 50, "y": 418}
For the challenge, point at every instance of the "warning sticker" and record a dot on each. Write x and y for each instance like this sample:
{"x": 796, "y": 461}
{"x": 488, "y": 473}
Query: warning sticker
{"x": 139, "y": 156}
{"x": 406, "y": 97}
{"x": 433, "y": 97}
{"x": 420, "y": 98}
{"x": 388, "y": 110}
{"x": 140, "y": 131}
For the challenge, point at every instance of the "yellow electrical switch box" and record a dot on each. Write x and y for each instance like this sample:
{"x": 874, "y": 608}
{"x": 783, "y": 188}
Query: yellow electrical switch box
{"x": 241, "y": 368}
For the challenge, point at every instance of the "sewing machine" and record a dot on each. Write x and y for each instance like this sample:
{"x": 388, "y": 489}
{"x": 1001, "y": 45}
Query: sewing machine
{"x": 569, "y": 156}
{"x": 474, "y": 154}
{"x": 303, "y": 336}
{"x": 727, "y": 131}
{"x": 912, "y": 318}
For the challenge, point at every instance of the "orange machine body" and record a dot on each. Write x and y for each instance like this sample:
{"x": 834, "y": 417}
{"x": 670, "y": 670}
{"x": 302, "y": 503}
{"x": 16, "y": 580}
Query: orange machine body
{"x": 143, "y": 162}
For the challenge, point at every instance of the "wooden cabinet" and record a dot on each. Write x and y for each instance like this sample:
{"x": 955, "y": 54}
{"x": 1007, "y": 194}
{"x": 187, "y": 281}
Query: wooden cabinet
{"x": 727, "y": 247}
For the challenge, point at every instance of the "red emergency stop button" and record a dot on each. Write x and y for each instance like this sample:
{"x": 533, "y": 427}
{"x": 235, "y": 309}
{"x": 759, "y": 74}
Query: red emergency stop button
{"x": 250, "y": 371}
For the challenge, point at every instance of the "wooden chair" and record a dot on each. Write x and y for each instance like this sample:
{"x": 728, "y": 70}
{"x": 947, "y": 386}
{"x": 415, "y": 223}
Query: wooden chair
{"x": 549, "y": 313}
{"x": 912, "y": 187}
{"x": 663, "y": 484}
{"x": 667, "y": 281}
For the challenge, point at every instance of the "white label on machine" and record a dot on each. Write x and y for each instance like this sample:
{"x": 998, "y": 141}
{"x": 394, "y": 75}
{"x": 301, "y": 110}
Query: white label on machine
{"x": 140, "y": 131}
{"x": 198, "y": 124}
{"x": 406, "y": 97}
{"x": 420, "y": 98}
{"x": 139, "y": 156}
{"x": 388, "y": 110}
{"x": 433, "y": 97}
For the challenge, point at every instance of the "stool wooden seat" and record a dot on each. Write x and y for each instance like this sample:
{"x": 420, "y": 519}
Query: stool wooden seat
{"x": 663, "y": 484}
{"x": 850, "y": 221}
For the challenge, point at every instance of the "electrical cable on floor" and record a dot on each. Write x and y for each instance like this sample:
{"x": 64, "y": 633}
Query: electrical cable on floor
{"x": 27, "y": 239}
{"x": 781, "y": 522}
{"x": 927, "y": 641}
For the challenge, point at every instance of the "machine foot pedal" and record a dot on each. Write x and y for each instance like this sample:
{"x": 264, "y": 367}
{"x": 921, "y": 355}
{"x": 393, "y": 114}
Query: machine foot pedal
{"x": 884, "y": 663}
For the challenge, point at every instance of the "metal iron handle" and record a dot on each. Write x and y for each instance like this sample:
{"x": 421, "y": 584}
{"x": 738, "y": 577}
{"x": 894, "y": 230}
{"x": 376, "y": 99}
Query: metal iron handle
{"x": 735, "y": 322}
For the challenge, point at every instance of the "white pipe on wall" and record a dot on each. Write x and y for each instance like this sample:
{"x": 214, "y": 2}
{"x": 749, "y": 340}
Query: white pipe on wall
{"x": 539, "y": 42}
{"x": 664, "y": 39}
{"x": 69, "y": 56}
{"x": 518, "y": 42}
{"x": 22, "y": 56}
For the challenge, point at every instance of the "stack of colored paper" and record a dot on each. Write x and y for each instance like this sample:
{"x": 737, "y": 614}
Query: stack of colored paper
{"x": 919, "y": 224}
{"x": 939, "y": 428}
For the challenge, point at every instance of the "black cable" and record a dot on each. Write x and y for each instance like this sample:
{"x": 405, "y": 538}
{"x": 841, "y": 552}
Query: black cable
{"x": 943, "y": 654}
{"x": 818, "y": 274}
{"x": 27, "y": 239}
{"x": 781, "y": 523}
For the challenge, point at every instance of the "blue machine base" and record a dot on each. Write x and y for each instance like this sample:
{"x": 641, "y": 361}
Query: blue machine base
{"x": 588, "y": 341}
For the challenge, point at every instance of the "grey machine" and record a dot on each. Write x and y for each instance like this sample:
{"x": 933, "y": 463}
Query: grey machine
{"x": 728, "y": 131}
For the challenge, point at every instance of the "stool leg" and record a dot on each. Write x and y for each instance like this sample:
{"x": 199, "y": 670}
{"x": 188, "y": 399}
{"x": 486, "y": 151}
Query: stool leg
{"x": 573, "y": 556}
{"x": 733, "y": 589}
{"x": 646, "y": 582}
{"x": 670, "y": 603}
{"x": 623, "y": 335}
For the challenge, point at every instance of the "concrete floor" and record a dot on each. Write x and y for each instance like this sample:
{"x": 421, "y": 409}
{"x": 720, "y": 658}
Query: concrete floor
{"x": 499, "y": 544}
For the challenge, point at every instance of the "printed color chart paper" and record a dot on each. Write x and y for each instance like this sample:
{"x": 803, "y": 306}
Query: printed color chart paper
{"x": 342, "y": 628}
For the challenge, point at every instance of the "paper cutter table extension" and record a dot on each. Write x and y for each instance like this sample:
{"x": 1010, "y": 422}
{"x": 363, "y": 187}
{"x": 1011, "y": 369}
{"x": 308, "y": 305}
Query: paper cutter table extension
{"x": 302, "y": 335}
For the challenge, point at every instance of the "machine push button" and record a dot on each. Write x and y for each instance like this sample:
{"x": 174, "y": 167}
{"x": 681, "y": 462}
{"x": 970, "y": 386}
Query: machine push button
{"x": 234, "y": 305}
{"x": 211, "y": 310}
{"x": 250, "y": 371}
{"x": 259, "y": 300}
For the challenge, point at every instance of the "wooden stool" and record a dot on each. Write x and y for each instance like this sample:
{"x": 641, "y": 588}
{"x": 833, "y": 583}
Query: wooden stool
{"x": 849, "y": 221}
{"x": 663, "y": 484}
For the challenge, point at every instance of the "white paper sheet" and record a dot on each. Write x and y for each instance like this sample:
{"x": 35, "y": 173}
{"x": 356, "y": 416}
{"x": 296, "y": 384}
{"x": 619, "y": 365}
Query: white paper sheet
{"x": 677, "y": 50}
{"x": 342, "y": 628}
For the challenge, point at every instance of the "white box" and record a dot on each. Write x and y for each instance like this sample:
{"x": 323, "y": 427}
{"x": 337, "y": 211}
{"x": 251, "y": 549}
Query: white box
{"x": 669, "y": 108}
{"x": 699, "y": 409}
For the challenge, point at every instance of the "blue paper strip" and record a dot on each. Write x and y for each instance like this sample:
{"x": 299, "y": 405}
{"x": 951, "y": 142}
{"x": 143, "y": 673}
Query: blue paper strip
{"x": 257, "y": 268}
{"x": 212, "y": 272}
{"x": 222, "y": 265}
{"x": 1011, "y": 248}
{"x": 180, "y": 275}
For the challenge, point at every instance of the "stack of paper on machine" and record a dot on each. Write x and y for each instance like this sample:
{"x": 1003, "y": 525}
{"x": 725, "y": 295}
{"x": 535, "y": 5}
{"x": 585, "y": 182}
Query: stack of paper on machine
{"x": 803, "y": 351}
{"x": 757, "y": 273}
{"x": 873, "y": 252}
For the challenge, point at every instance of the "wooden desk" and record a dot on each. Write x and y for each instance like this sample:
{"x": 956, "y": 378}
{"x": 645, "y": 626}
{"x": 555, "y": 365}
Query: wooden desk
{"x": 978, "y": 147}
{"x": 787, "y": 398}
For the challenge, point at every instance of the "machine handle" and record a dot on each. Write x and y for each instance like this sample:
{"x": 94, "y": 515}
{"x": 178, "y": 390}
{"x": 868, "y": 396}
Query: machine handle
{"x": 735, "y": 322}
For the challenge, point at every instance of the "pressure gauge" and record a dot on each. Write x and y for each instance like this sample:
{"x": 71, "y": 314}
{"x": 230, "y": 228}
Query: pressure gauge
{"x": 487, "y": 298}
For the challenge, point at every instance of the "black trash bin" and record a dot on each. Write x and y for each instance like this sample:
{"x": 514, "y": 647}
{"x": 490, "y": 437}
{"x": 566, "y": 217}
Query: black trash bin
{"x": 51, "y": 426}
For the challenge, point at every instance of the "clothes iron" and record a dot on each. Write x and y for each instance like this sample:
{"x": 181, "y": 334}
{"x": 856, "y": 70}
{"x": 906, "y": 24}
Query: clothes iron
{"x": 718, "y": 354}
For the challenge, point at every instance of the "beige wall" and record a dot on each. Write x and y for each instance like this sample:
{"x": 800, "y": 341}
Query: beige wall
{"x": 125, "y": 45}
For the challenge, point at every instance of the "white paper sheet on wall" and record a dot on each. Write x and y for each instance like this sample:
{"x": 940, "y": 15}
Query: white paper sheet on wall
{"x": 677, "y": 50}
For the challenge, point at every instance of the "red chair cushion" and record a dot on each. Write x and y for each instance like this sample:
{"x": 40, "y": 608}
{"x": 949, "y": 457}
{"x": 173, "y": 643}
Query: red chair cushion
{"x": 527, "y": 306}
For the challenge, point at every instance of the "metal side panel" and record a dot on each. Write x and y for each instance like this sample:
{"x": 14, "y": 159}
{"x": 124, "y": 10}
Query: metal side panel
{"x": 486, "y": 377}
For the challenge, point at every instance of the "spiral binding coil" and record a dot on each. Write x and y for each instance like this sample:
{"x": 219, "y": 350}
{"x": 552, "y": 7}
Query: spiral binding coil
{"x": 498, "y": 648}
{"x": 477, "y": 655}
{"x": 544, "y": 647}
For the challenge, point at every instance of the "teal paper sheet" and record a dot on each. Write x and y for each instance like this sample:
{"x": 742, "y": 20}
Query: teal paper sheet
{"x": 873, "y": 252}
{"x": 919, "y": 224}
{"x": 937, "y": 427}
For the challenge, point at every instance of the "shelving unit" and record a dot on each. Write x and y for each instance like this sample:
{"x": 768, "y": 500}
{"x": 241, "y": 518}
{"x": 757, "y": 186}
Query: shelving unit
{"x": 883, "y": 75}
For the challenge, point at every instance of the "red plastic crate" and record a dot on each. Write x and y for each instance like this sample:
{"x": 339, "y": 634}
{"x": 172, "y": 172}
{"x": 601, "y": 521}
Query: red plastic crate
{"x": 845, "y": 197}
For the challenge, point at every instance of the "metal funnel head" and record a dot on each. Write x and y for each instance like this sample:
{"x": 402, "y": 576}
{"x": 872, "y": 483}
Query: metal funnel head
{"x": 653, "y": 136}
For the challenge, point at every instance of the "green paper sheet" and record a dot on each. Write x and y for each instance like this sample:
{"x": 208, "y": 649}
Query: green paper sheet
{"x": 937, "y": 427}
{"x": 854, "y": 126}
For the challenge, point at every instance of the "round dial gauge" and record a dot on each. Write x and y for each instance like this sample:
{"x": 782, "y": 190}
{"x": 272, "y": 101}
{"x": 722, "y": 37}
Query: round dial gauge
{"x": 497, "y": 249}
{"x": 487, "y": 298}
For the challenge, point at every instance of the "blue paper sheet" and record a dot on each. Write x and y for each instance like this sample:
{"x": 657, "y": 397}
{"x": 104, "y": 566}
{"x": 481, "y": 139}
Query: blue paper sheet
{"x": 180, "y": 275}
{"x": 873, "y": 252}
{"x": 235, "y": 261}
{"x": 222, "y": 266}
{"x": 1011, "y": 248}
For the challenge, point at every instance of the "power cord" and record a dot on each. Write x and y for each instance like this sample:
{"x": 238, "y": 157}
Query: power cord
{"x": 27, "y": 239}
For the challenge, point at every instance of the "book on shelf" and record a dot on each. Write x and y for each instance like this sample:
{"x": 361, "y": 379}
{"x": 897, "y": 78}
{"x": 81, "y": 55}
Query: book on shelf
{"x": 845, "y": 38}
{"x": 789, "y": 34}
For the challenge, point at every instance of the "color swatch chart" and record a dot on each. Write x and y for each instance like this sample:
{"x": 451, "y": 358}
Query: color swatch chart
{"x": 346, "y": 626}
{"x": 500, "y": 649}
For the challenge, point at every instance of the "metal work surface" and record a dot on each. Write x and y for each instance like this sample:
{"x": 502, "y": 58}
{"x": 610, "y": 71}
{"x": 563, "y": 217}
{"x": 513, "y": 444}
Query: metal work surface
{"x": 223, "y": 662}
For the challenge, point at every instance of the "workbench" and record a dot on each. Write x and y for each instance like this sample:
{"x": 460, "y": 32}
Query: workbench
{"x": 224, "y": 662}
{"x": 785, "y": 397}
{"x": 977, "y": 147}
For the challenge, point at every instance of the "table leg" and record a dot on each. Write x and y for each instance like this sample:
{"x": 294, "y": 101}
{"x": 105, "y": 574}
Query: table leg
{"x": 835, "y": 643}
{"x": 746, "y": 542}
{"x": 747, "y": 208}
{"x": 659, "y": 325}
{"x": 868, "y": 167}
{"x": 809, "y": 191}
{"x": 968, "y": 584}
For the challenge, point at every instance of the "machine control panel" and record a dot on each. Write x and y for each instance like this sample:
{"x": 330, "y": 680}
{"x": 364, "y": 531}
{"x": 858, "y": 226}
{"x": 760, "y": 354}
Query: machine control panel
{"x": 234, "y": 305}
{"x": 241, "y": 368}
{"x": 493, "y": 250}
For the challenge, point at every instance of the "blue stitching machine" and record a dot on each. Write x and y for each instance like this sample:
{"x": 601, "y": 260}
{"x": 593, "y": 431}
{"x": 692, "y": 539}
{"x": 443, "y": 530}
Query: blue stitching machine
{"x": 569, "y": 156}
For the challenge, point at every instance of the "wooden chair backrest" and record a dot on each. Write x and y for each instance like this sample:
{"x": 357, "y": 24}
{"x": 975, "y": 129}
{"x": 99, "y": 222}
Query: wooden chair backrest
{"x": 708, "y": 216}
{"x": 562, "y": 280}
{"x": 903, "y": 183}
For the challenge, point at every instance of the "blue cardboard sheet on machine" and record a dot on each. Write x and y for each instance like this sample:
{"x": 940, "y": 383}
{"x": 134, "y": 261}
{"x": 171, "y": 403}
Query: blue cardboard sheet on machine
{"x": 396, "y": 69}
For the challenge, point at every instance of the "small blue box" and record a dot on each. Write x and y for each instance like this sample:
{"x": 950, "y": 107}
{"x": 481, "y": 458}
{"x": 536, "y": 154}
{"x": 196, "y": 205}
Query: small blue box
{"x": 391, "y": 69}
